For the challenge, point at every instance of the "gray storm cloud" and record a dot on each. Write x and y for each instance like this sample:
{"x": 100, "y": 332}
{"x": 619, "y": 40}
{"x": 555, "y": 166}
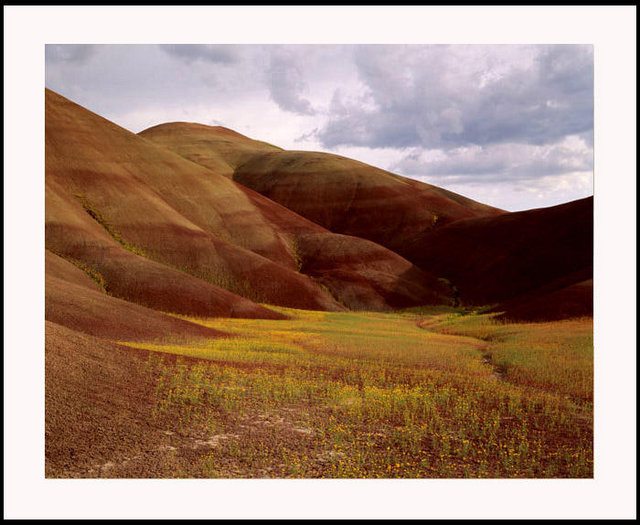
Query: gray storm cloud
{"x": 224, "y": 54}
{"x": 286, "y": 83}
{"x": 440, "y": 96}
{"x": 501, "y": 162}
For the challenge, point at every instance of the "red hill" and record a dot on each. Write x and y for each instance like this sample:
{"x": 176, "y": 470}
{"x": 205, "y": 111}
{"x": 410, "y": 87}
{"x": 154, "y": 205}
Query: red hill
{"x": 218, "y": 148}
{"x": 488, "y": 255}
{"x": 493, "y": 259}
{"x": 353, "y": 198}
{"x": 173, "y": 235}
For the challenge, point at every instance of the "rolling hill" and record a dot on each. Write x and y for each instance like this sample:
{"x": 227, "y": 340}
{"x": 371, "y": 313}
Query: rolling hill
{"x": 495, "y": 259}
{"x": 199, "y": 220}
{"x": 353, "y": 198}
{"x": 167, "y": 233}
{"x": 488, "y": 256}
{"x": 216, "y": 147}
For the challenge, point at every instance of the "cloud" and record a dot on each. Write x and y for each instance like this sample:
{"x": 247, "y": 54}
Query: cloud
{"x": 221, "y": 54}
{"x": 500, "y": 162}
{"x": 70, "y": 53}
{"x": 522, "y": 195}
{"x": 452, "y": 96}
{"x": 286, "y": 83}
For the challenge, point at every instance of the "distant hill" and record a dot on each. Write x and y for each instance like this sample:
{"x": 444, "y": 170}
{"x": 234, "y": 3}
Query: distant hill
{"x": 147, "y": 234}
{"x": 494, "y": 259}
{"x": 193, "y": 219}
{"x": 565, "y": 297}
{"x": 353, "y": 198}
{"x": 218, "y": 148}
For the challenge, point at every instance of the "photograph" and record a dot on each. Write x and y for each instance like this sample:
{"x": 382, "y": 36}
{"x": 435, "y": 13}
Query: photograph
{"x": 319, "y": 261}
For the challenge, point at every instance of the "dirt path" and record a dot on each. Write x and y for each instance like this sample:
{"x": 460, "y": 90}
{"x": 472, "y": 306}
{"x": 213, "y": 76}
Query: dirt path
{"x": 483, "y": 347}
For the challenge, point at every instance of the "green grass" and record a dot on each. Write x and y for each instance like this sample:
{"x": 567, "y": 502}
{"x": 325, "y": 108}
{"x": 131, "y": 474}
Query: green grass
{"x": 556, "y": 357}
{"x": 363, "y": 395}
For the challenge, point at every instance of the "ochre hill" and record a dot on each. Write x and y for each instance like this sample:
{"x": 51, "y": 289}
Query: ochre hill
{"x": 73, "y": 234}
{"x": 353, "y": 198}
{"x": 215, "y": 147}
{"x": 74, "y": 300}
{"x": 488, "y": 255}
{"x": 495, "y": 259}
{"x": 155, "y": 226}
{"x": 113, "y": 201}
{"x": 366, "y": 276}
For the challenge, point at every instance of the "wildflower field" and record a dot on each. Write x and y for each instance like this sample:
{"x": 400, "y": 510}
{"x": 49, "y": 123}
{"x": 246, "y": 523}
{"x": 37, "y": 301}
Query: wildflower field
{"x": 416, "y": 394}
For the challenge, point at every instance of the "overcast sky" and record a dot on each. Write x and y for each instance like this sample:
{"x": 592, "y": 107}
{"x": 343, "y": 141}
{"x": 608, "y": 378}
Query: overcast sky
{"x": 507, "y": 125}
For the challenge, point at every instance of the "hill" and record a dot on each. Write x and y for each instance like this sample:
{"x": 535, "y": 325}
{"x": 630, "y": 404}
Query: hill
{"x": 566, "y": 297}
{"x": 200, "y": 319}
{"x": 173, "y": 235}
{"x": 74, "y": 300}
{"x": 494, "y": 259}
{"x": 353, "y": 198}
{"x": 216, "y": 147}
{"x": 486, "y": 254}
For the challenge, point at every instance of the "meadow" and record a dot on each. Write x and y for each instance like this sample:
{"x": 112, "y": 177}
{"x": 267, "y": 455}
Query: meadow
{"x": 422, "y": 393}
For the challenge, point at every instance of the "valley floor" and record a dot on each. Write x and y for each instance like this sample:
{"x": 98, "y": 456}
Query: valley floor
{"x": 416, "y": 394}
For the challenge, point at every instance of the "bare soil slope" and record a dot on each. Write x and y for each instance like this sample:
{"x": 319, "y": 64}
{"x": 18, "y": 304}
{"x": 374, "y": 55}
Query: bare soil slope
{"x": 215, "y": 147}
{"x": 74, "y": 300}
{"x": 100, "y": 418}
{"x": 494, "y": 259}
{"x": 127, "y": 207}
{"x": 71, "y": 233}
{"x": 566, "y": 297}
{"x": 353, "y": 198}
{"x": 404, "y": 215}
{"x": 157, "y": 205}
{"x": 367, "y": 276}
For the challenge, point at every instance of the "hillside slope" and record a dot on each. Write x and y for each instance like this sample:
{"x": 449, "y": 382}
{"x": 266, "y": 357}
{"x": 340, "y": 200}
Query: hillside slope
{"x": 74, "y": 300}
{"x": 132, "y": 210}
{"x": 494, "y": 259}
{"x": 99, "y": 400}
{"x": 568, "y": 296}
{"x": 353, "y": 198}
{"x": 216, "y": 147}
{"x": 488, "y": 255}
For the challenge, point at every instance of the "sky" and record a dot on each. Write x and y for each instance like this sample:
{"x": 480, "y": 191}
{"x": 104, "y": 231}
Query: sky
{"x": 507, "y": 125}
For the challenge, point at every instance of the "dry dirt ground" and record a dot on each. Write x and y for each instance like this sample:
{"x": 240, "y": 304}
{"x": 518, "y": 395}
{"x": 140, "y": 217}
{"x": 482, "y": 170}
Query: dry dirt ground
{"x": 100, "y": 420}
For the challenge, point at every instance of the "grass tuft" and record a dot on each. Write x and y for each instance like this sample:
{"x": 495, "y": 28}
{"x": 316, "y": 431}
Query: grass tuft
{"x": 102, "y": 221}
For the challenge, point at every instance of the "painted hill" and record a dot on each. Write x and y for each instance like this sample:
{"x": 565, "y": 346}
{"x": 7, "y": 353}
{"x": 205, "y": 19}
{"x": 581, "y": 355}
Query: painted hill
{"x": 353, "y": 198}
{"x": 568, "y": 296}
{"x": 101, "y": 252}
{"x": 218, "y": 148}
{"x": 495, "y": 259}
{"x": 202, "y": 221}
{"x": 487, "y": 255}
{"x": 169, "y": 234}
{"x": 74, "y": 300}
{"x": 342, "y": 195}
